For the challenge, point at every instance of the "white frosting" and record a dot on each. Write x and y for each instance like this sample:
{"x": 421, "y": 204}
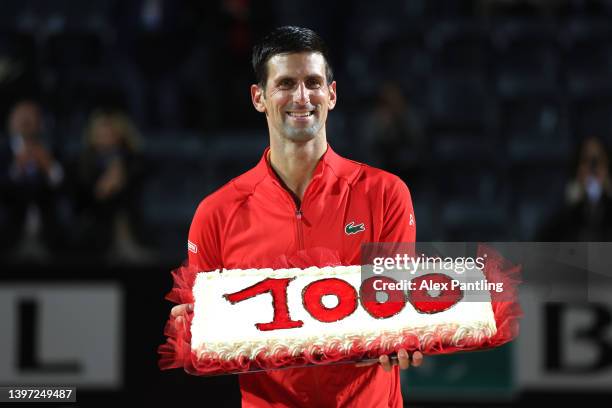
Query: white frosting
{"x": 227, "y": 331}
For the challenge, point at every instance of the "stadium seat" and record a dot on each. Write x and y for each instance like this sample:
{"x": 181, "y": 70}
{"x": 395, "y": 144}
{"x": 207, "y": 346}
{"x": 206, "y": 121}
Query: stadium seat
{"x": 587, "y": 46}
{"x": 18, "y": 45}
{"x": 459, "y": 47}
{"x": 74, "y": 50}
{"x": 436, "y": 9}
{"x": 474, "y": 201}
{"x": 534, "y": 127}
{"x": 591, "y": 116}
{"x": 177, "y": 182}
{"x": 530, "y": 216}
{"x": 18, "y": 67}
{"x": 538, "y": 190}
{"x": 474, "y": 222}
{"x": 526, "y": 56}
{"x": 78, "y": 74}
{"x": 460, "y": 145}
{"x": 458, "y": 103}
{"x": 402, "y": 57}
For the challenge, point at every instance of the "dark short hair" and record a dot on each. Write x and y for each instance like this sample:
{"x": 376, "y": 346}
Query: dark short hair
{"x": 288, "y": 40}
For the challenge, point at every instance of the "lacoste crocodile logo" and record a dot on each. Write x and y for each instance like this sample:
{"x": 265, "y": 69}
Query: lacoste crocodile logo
{"x": 351, "y": 228}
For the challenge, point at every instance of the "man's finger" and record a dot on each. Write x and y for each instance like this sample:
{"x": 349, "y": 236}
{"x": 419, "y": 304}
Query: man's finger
{"x": 417, "y": 358}
{"x": 181, "y": 310}
{"x": 403, "y": 359}
{"x": 385, "y": 362}
{"x": 179, "y": 322}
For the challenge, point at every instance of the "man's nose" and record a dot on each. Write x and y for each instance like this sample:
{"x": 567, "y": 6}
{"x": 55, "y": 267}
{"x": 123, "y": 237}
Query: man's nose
{"x": 301, "y": 96}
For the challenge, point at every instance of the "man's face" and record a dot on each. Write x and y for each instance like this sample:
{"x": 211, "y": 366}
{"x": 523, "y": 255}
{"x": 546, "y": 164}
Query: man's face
{"x": 593, "y": 161}
{"x": 26, "y": 120}
{"x": 296, "y": 97}
{"x": 104, "y": 134}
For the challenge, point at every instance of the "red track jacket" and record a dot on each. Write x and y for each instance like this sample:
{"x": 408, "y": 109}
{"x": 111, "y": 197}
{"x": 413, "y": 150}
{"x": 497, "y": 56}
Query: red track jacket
{"x": 253, "y": 220}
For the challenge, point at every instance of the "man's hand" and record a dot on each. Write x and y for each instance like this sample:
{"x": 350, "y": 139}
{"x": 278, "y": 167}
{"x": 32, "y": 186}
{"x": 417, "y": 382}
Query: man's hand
{"x": 403, "y": 360}
{"x": 34, "y": 155}
{"x": 179, "y": 312}
{"x": 42, "y": 156}
{"x": 111, "y": 181}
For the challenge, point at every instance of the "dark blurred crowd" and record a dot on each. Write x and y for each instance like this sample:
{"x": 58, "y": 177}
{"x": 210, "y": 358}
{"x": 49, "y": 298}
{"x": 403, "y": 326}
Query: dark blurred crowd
{"x": 184, "y": 63}
{"x": 88, "y": 205}
{"x": 461, "y": 108}
{"x": 166, "y": 62}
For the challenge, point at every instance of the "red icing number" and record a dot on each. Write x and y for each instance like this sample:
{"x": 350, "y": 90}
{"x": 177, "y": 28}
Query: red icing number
{"x": 393, "y": 304}
{"x": 424, "y": 302}
{"x": 342, "y": 290}
{"x": 278, "y": 290}
{"x": 312, "y": 297}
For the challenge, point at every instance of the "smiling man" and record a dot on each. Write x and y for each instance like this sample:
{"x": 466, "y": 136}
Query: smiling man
{"x": 297, "y": 116}
{"x": 302, "y": 195}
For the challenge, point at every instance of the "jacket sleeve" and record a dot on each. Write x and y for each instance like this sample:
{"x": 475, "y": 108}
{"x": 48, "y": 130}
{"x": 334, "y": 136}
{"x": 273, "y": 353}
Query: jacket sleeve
{"x": 204, "y": 241}
{"x": 399, "y": 223}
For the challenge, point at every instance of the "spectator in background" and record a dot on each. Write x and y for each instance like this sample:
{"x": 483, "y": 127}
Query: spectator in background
{"x": 30, "y": 181}
{"x": 587, "y": 215}
{"x": 108, "y": 182}
{"x": 393, "y": 132}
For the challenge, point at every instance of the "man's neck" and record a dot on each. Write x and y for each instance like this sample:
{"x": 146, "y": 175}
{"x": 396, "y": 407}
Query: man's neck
{"x": 294, "y": 163}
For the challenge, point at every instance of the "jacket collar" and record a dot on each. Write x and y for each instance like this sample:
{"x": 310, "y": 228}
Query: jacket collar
{"x": 330, "y": 161}
{"x": 330, "y": 166}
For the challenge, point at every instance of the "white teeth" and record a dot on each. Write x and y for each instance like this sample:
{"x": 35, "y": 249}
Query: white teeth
{"x": 300, "y": 114}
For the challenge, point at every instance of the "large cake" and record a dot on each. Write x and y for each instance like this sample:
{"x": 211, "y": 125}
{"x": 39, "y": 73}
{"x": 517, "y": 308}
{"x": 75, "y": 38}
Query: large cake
{"x": 258, "y": 319}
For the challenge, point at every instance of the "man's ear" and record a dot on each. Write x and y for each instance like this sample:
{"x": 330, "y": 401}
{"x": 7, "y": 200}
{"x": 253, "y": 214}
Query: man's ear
{"x": 332, "y": 95}
{"x": 257, "y": 97}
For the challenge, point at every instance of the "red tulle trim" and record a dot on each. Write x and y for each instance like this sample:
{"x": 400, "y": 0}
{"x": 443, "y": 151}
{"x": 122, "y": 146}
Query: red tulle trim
{"x": 177, "y": 349}
{"x": 176, "y": 352}
{"x": 505, "y": 304}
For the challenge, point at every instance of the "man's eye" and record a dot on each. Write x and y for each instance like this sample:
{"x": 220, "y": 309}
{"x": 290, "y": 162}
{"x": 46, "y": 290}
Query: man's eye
{"x": 286, "y": 84}
{"x": 313, "y": 84}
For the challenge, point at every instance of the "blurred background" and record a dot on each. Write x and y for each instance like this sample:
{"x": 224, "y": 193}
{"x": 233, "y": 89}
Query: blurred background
{"x": 118, "y": 117}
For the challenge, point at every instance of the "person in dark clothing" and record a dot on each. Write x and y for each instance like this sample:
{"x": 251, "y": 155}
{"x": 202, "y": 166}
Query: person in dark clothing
{"x": 393, "y": 131}
{"x": 108, "y": 183}
{"x": 30, "y": 181}
{"x": 587, "y": 215}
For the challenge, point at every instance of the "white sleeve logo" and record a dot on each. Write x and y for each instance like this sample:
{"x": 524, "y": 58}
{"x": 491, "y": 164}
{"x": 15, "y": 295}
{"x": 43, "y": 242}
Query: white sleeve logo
{"x": 192, "y": 247}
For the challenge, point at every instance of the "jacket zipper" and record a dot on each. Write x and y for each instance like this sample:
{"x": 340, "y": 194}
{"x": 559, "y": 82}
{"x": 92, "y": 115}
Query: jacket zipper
{"x": 298, "y": 215}
{"x": 300, "y": 232}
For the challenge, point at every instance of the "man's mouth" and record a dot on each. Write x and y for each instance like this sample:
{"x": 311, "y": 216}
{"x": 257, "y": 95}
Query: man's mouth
{"x": 300, "y": 114}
